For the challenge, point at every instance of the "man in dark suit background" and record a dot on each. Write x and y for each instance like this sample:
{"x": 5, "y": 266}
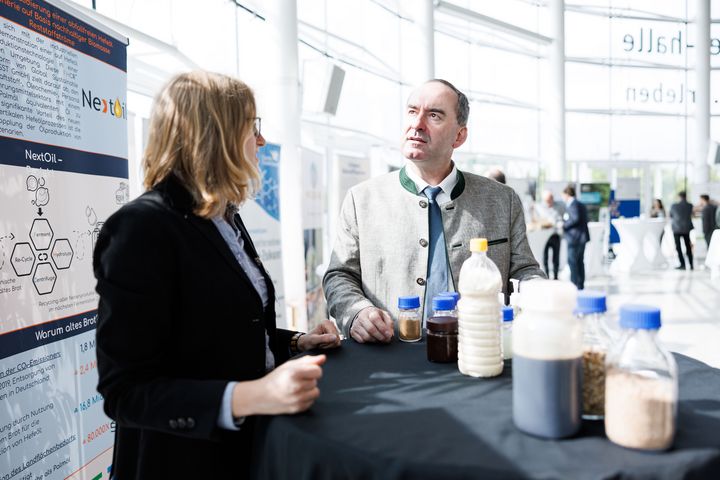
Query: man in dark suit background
{"x": 681, "y": 222}
{"x": 575, "y": 230}
{"x": 707, "y": 213}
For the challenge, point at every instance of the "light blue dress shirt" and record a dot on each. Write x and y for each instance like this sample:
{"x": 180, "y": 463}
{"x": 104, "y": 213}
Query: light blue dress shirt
{"x": 235, "y": 242}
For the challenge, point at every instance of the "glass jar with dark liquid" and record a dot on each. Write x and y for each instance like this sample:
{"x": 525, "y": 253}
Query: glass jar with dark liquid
{"x": 442, "y": 332}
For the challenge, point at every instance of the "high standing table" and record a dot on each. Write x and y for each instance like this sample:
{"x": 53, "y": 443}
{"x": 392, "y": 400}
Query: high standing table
{"x": 594, "y": 249}
{"x": 652, "y": 245}
{"x": 637, "y": 236}
{"x": 537, "y": 240}
{"x": 385, "y": 412}
{"x": 712, "y": 259}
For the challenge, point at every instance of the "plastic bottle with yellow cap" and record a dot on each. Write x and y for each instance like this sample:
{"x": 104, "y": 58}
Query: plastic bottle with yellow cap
{"x": 479, "y": 341}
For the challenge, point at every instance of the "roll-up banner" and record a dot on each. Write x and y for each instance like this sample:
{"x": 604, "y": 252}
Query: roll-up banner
{"x": 262, "y": 219}
{"x": 63, "y": 170}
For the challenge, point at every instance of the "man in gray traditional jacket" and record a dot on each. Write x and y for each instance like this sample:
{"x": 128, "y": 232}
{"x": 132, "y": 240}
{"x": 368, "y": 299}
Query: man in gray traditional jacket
{"x": 385, "y": 233}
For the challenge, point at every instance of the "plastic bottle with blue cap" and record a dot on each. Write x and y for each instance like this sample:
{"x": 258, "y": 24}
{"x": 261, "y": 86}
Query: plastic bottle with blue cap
{"x": 591, "y": 309}
{"x": 641, "y": 387}
{"x": 508, "y": 314}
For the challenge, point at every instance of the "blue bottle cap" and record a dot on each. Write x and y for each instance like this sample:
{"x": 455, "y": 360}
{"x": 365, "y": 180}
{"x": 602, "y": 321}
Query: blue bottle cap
{"x": 640, "y": 317}
{"x": 408, "y": 302}
{"x": 589, "y": 301}
{"x": 508, "y": 313}
{"x": 443, "y": 303}
{"x": 454, "y": 295}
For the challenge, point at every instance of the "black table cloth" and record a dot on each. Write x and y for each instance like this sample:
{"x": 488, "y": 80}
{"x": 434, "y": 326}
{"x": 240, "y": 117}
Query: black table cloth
{"x": 385, "y": 412}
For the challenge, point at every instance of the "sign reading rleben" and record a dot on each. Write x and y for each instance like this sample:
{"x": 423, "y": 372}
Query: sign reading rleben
{"x": 63, "y": 170}
{"x": 658, "y": 43}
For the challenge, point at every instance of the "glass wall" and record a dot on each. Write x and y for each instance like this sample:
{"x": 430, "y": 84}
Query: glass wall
{"x": 631, "y": 90}
{"x": 630, "y": 87}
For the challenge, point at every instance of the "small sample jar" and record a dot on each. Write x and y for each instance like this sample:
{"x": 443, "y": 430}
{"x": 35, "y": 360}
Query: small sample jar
{"x": 507, "y": 318}
{"x": 442, "y": 331}
{"x": 409, "y": 319}
{"x": 590, "y": 310}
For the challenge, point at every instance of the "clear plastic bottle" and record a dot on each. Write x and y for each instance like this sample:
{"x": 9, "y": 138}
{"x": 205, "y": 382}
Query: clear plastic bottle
{"x": 641, "y": 387}
{"x": 409, "y": 319}
{"x": 547, "y": 361}
{"x": 514, "y": 296}
{"x": 479, "y": 348}
{"x": 590, "y": 310}
{"x": 442, "y": 331}
{"x": 507, "y": 318}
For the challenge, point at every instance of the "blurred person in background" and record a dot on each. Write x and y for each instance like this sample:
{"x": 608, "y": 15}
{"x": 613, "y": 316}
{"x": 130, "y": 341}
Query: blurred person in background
{"x": 497, "y": 175}
{"x": 657, "y": 210}
{"x": 681, "y": 223}
{"x": 551, "y": 213}
{"x": 708, "y": 209}
{"x": 577, "y": 234}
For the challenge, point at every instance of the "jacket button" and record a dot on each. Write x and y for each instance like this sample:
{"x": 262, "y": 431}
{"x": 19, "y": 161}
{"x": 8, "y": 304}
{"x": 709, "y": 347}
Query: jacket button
{"x": 181, "y": 423}
{"x": 190, "y": 422}
{"x": 255, "y": 320}
{"x": 423, "y": 204}
{"x": 173, "y": 424}
{"x": 420, "y": 281}
{"x": 423, "y": 242}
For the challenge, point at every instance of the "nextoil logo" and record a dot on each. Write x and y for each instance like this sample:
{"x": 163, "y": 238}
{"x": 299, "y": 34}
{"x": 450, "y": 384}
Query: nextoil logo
{"x": 116, "y": 107}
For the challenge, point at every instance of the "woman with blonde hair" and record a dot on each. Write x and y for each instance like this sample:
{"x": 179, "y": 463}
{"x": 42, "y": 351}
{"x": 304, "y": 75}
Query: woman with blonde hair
{"x": 187, "y": 346}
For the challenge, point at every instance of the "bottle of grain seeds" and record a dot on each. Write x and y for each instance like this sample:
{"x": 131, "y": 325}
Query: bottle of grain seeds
{"x": 641, "y": 386}
{"x": 591, "y": 308}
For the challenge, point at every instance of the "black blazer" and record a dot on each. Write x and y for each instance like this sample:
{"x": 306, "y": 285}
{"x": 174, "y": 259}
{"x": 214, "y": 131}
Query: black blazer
{"x": 575, "y": 227}
{"x": 178, "y": 318}
{"x": 681, "y": 217}
{"x": 708, "y": 219}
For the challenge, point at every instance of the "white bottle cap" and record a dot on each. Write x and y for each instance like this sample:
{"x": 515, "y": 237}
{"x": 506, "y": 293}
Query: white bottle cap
{"x": 548, "y": 296}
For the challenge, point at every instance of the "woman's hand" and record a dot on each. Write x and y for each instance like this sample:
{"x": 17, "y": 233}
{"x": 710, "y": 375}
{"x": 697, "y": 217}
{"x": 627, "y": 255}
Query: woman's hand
{"x": 323, "y": 336}
{"x": 290, "y": 388}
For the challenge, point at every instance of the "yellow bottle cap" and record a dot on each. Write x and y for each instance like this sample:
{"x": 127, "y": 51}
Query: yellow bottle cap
{"x": 478, "y": 245}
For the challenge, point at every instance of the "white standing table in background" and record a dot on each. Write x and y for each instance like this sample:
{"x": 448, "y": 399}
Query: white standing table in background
{"x": 594, "y": 249}
{"x": 633, "y": 251}
{"x": 651, "y": 242}
{"x": 712, "y": 259}
{"x": 537, "y": 240}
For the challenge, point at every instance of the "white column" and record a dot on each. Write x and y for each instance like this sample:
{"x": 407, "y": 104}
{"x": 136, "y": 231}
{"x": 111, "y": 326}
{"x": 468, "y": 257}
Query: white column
{"x": 416, "y": 61}
{"x": 426, "y": 25}
{"x": 702, "y": 94}
{"x": 556, "y": 166}
{"x": 281, "y": 106}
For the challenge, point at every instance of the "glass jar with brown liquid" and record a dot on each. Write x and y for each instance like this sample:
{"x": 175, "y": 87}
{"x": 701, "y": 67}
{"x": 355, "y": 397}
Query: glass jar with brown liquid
{"x": 442, "y": 331}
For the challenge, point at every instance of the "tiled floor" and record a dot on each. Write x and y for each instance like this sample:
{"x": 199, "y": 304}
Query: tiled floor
{"x": 689, "y": 301}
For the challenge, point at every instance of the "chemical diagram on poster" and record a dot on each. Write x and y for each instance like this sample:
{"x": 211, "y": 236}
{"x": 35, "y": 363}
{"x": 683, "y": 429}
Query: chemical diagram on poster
{"x": 86, "y": 240}
{"x": 40, "y": 255}
{"x": 45, "y": 247}
{"x": 122, "y": 194}
{"x": 45, "y": 255}
{"x": 37, "y": 185}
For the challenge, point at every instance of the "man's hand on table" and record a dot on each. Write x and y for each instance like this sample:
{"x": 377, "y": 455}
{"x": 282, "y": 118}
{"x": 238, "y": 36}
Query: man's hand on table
{"x": 372, "y": 325}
